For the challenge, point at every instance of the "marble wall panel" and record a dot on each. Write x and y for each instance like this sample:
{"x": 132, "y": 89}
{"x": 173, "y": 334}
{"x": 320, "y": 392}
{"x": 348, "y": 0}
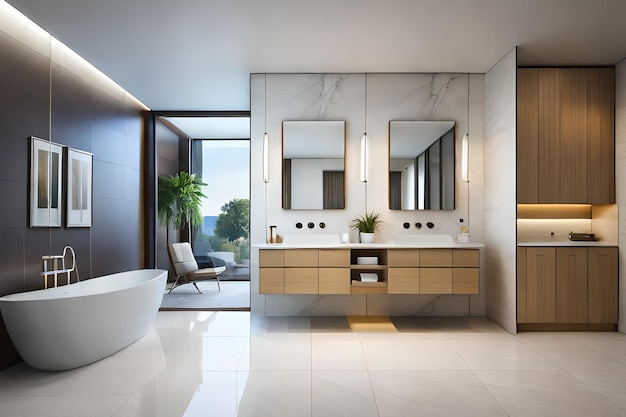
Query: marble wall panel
{"x": 500, "y": 192}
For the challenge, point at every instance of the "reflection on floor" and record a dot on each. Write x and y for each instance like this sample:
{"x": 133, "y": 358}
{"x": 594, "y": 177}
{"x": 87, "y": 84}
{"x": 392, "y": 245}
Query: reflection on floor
{"x": 235, "y": 295}
{"x": 236, "y": 364}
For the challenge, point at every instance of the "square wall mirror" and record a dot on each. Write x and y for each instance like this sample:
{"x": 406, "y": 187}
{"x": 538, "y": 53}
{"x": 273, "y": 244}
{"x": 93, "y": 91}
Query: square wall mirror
{"x": 314, "y": 165}
{"x": 421, "y": 165}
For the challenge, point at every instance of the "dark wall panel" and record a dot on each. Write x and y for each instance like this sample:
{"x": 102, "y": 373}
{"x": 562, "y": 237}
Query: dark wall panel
{"x": 42, "y": 97}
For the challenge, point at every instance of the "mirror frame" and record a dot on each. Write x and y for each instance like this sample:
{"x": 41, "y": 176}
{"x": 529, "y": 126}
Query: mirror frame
{"x": 310, "y": 134}
{"x": 450, "y": 188}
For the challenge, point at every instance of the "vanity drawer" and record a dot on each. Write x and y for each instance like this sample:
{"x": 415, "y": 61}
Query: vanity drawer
{"x": 436, "y": 257}
{"x": 301, "y": 257}
{"x": 466, "y": 258}
{"x": 271, "y": 280}
{"x": 271, "y": 258}
{"x": 435, "y": 280}
{"x": 466, "y": 281}
{"x": 334, "y": 258}
{"x": 301, "y": 281}
{"x": 403, "y": 281}
{"x": 403, "y": 257}
{"x": 334, "y": 281}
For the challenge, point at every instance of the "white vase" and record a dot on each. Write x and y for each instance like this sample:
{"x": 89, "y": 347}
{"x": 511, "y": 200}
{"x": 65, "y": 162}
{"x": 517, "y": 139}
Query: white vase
{"x": 366, "y": 237}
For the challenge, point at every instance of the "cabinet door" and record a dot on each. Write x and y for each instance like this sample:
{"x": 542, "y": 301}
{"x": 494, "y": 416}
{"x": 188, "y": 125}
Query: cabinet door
{"x": 271, "y": 280}
{"x": 403, "y": 281}
{"x": 574, "y": 143}
{"x": 521, "y": 285}
{"x": 540, "y": 285}
{"x": 571, "y": 285}
{"x": 435, "y": 280}
{"x": 301, "y": 281}
{"x": 601, "y": 123}
{"x": 527, "y": 135}
{"x": 603, "y": 285}
{"x": 469, "y": 258}
{"x": 549, "y": 133}
{"x": 334, "y": 280}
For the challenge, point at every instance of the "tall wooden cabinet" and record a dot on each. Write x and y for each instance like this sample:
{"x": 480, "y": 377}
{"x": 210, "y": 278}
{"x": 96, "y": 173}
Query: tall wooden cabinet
{"x": 565, "y": 136}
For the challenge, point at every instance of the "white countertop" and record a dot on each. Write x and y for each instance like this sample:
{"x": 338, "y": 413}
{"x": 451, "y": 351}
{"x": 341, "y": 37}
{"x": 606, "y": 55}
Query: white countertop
{"x": 577, "y": 243}
{"x": 388, "y": 245}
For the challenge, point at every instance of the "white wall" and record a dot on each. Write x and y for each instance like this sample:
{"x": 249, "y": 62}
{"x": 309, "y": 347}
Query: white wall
{"x": 620, "y": 178}
{"x": 500, "y": 192}
{"x": 278, "y": 97}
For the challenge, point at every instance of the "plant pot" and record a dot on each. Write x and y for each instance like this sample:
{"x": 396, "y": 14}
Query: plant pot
{"x": 366, "y": 237}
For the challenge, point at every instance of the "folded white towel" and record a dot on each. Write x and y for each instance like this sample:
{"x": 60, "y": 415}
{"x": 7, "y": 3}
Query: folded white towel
{"x": 369, "y": 277}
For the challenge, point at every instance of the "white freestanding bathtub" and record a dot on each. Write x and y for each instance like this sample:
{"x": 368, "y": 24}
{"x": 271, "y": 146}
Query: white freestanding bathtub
{"x": 74, "y": 325}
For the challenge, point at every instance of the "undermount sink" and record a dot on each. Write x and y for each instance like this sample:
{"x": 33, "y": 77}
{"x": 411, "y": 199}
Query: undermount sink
{"x": 424, "y": 240}
{"x": 311, "y": 239}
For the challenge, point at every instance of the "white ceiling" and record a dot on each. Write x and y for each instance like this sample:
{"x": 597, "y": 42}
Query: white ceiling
{"x": 198, "y": 54}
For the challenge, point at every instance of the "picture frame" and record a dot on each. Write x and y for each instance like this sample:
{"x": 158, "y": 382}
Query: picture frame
{"x": 46, "y": 183}
{"x": 79, "y": 188}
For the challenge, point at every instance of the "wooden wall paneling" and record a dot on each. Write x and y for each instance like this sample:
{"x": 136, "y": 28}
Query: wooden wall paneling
{"x": 602, "y": 285}
{"x": 601, "y": 132}
{"x": 549, "y": 135}
{"x": 541, "y": 285}
{"x": 574, "y": 143}
{"x": 527, "y": 135}
{"x": 571, "y": 285}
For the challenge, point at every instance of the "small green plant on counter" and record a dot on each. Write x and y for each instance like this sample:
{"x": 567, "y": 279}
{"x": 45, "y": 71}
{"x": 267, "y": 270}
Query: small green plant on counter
{"x": 366, "y": 224}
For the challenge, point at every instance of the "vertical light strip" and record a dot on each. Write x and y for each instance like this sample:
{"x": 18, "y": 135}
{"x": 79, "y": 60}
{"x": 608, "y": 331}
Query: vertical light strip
{"x": 465, "y": 142}
{"x": 266, "y": 170}
{"x": 266, "y": 140}
{"x": 465, "y": 158}
{"x": 364, "y": 158}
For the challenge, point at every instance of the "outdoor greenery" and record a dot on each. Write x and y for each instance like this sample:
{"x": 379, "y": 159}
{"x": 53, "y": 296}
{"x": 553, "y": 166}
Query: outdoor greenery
{"x": 366, "y": 224}
{"x": 180, "y": 199}
{"x": 233, "y": 226}
{"x": 233, "y": 223}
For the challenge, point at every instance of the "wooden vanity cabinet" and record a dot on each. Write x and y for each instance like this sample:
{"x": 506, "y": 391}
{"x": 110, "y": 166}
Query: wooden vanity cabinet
{"x": 400, "y": 271}
{"x": 567, "y": 285}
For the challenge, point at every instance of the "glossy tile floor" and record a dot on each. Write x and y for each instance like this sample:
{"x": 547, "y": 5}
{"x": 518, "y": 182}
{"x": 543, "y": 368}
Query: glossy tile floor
{"x": 234, "y": 364}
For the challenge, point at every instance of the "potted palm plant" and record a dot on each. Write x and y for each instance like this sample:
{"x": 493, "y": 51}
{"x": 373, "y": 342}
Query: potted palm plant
{"x": 179, "y": 200}
{"x": 367, "y": 226}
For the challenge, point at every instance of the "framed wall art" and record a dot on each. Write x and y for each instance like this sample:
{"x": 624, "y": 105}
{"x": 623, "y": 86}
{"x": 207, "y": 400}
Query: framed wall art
{"x": 79, "y": 188}
{"x": 46, "y": 171}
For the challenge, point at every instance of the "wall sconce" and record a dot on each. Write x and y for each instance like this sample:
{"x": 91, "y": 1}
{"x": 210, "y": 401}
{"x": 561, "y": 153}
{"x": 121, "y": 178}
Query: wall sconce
{"x": 266, "y": 168}
{"x": 364, "y": 158}
{"x": 465, "y": 158}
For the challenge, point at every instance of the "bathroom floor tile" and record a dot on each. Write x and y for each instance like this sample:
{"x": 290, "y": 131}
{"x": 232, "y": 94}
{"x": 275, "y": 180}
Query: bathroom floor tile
{"x": 432, "y": 393}
{"x": 231, "y": 364}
